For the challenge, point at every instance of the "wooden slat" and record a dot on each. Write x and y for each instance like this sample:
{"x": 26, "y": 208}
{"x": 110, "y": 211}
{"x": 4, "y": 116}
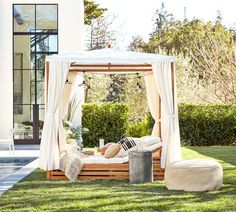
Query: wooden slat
{"x": 104, "y": 173}
{"x": 102, "y": 178}
{"x": 59, "y": 177}
{"x": 158, "y": 178}
{"x": 109, "y": 70}
{"x": 110, "y": 65}
{"x": 106, "y": 167}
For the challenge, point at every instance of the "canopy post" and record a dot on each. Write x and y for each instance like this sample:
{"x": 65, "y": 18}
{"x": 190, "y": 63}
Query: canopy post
{"x": 159, "y": 116}
{"x": 173, "y": 82}
{"x": 47, "y": 79}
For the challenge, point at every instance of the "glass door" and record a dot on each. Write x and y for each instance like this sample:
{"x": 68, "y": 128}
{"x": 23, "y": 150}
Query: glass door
{"x": 35, "y": 35}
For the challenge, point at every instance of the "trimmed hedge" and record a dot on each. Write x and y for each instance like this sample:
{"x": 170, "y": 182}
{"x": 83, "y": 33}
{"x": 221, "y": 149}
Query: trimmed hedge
{"x": 206, "y": 125}
{"x": 104, "y": 120}
{"x": 139, "y": 128}
{"x": 200, "y": 125}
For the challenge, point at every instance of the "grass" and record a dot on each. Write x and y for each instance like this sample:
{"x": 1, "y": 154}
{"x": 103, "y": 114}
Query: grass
{"x": 35, "y": 193}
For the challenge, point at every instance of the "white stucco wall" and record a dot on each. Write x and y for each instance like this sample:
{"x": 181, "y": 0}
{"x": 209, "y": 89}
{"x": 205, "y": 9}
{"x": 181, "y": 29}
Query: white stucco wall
{"x": 70, "y": 37}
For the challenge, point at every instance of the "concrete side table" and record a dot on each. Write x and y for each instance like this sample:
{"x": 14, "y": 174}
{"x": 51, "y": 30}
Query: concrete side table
{"x": 140, "y": 167}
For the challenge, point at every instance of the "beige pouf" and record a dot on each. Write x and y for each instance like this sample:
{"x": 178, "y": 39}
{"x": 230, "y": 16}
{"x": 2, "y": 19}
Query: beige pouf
{"x": 194, "y": 175}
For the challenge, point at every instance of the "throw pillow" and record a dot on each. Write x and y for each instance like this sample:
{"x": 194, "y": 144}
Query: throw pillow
{"x": 112, "y": 150}
{"x": 108, "y": 144}
{"x": 127, "y": 144}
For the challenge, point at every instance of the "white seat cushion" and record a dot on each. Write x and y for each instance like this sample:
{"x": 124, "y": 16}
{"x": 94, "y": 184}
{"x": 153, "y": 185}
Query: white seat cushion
{"x": 100, "y": 159}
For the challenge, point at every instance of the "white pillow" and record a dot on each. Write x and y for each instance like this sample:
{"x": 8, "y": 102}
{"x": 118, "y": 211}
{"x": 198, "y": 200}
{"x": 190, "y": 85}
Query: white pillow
{"x": 149, "y": 140}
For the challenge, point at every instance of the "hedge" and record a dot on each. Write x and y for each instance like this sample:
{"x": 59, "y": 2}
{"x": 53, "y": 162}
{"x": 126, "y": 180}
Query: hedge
{"x": 138, "y": 128}
{"x": 104, "y": 120}
{"x": 200, "y": 125}
{"x": 206, "y": 125}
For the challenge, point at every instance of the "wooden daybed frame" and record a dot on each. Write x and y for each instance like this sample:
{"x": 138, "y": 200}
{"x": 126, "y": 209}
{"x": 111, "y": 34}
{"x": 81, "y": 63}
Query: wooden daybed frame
{"x": 111, "y": 171}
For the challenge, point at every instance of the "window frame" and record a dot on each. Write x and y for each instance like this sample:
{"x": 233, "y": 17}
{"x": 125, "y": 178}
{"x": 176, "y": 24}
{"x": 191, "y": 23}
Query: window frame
{"x": 35, "y": 53}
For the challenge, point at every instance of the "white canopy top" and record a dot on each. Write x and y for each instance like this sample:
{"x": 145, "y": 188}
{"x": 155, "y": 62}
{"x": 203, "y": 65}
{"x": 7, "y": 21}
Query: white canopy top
{"x": 110, "y": 56}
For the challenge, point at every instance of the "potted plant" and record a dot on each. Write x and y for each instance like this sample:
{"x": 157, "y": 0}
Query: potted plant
{"x": 74, "y": 135}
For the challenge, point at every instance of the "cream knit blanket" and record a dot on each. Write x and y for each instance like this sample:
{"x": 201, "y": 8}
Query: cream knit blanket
{"x": 71, "y": 163}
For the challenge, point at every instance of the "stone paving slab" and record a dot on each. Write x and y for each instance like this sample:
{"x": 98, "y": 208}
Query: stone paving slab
{"x": 15, "y": 177}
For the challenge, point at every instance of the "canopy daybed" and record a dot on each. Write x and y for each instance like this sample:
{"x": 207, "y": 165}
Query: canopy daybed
{"x": 159, "y": 75}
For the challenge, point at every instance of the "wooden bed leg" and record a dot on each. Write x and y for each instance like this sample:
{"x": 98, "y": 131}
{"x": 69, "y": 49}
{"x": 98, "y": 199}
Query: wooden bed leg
{"x": 49, "y": 175}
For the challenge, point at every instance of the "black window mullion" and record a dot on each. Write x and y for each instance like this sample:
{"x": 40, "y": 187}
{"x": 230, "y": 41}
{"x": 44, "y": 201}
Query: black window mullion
{"x": 35, "y": 59}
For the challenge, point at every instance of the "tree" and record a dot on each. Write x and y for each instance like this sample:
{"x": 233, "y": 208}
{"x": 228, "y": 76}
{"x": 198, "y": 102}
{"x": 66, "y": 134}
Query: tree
{"x": 100, "y": 34}
{"x": 163, "y": 20}
{"x": 205, "y": 55}
{"x": 116, "y": 88}
{"x": 92, "y": 11}
{"x": 216, "y": 64}
{"x": 137, "y": 44}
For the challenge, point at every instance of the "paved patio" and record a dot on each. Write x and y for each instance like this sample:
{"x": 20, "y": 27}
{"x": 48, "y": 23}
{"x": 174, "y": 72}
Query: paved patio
{"x": 21, "y": 151}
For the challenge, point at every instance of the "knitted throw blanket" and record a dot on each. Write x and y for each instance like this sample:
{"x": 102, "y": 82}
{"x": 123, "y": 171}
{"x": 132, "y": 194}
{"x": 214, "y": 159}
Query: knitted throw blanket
{"x": 71, "y": 163}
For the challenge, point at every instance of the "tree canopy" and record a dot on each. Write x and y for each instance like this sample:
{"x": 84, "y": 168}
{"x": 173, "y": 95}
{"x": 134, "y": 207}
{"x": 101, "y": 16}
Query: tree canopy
{"x": 92, "y": 11}
{"x": 205, "y": 52}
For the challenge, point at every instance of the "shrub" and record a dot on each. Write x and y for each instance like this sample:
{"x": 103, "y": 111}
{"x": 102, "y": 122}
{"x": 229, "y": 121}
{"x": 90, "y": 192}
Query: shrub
{"x": 139, "y": 128}
{"x": 205, "y": 125}
{"x": 104, "y": 120}
{"x": 200, "y": 125}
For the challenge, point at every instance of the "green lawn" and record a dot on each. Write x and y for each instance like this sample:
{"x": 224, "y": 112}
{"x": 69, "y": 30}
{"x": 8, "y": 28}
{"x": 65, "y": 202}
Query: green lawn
{"x": 35, "y": 193}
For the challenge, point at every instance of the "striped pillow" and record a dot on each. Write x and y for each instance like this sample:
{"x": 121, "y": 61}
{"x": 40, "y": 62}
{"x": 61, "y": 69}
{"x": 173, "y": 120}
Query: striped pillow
{"x": 127, "y": 144}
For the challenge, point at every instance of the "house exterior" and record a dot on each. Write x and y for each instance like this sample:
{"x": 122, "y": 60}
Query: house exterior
{"x": 30, "y": 30}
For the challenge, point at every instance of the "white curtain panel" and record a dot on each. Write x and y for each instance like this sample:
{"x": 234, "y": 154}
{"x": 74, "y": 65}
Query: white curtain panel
{"x": 78, "y": 92}
{"x": 153, "y": 100}
{"x": 49, "y": 148}
{"x": 64, "y": 108}
{"x": 67, "y": 93}
{"x": 71, "y": 90}
{"x": 171, "y": 150}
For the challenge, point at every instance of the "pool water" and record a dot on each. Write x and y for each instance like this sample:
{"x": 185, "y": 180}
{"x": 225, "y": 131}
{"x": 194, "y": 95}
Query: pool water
{"x": 11, "y": 165}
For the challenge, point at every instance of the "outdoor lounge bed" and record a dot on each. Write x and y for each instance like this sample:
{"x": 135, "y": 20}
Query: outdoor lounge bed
{"x": 159, "y": 76}
{"x": 117, "y": 168}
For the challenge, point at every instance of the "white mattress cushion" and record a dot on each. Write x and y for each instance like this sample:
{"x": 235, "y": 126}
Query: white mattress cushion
{"x": 99, "y": 159}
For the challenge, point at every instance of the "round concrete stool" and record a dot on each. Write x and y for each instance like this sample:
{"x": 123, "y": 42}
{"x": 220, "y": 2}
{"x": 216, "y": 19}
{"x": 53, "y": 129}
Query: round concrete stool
{"x": 140, "y": 167}
{"x": 194, "y": 175}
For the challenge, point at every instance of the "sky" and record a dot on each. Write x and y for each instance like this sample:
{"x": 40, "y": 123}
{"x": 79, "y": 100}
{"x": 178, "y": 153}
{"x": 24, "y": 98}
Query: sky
{"x": 135, "y": 17}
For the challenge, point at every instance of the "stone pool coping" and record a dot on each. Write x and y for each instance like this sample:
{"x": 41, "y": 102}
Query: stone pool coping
{"x": 9, "y": 181}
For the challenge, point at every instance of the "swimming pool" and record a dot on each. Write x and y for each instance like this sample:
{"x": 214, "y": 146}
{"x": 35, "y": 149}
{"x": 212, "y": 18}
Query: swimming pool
{"x": 11, "y": 165}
